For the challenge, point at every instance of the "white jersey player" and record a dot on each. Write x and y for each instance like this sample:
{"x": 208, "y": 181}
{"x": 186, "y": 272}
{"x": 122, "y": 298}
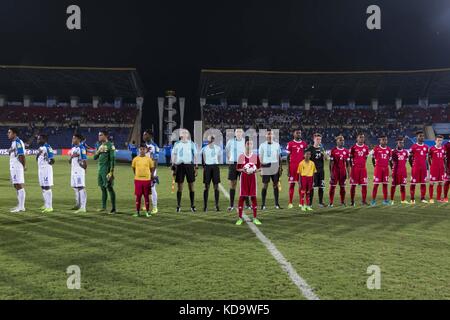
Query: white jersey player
{"x": 17, "y": 168}
{"x": 45, "y": 160}
{"x": 78, "y": 157}
{"x": 153, "y": 153}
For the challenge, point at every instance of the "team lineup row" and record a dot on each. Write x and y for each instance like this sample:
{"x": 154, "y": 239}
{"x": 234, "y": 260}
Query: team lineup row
{"x": 305, "y": 168}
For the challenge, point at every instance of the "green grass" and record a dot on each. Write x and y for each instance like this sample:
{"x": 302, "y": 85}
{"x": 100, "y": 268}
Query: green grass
{"x": 205, "y": 256}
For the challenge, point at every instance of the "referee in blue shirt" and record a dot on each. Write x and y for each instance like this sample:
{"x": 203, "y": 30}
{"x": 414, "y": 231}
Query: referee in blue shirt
{"x": 185, "y": 165}
{"x": 211, "y": 154}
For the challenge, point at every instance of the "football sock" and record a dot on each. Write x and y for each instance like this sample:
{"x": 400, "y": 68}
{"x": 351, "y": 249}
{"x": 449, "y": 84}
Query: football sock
{"x": 104, "y": 197}
{"x": 321, "y": 192}
{"x": 264, "y": 195}
{"x": 385, "y": 191}
{"x": 21, "y": 198}
{"x": 353, "y": 192}
{"x": 423, "y": 191}
{"x": 77, "y": 197}
{"x": 192, "y": 197}
{"x": 392, "y": 193}
{"x": 232, "y": 194}
{"x": 241, "y": 206}
{"x": 179, "y": 193}
{"x": 342, "y": 193}
{"x": 48, "y": 198}
{"x": 332, "y": 191}
{"x": 255, "y": 207}
{"x": 112, "y": 195}
{"x": 412, "y": 191}
{"x": 431, "y": 190}
{"x": 276, "y": 194}
{"x": 83, "y": 198}
{"x": 216, "y": 197}
{"x": 446, "y": 187}
{"x": 364, "y": 193}
{"x": 154, "y": 196}
{"x": 439, "y": 192}
{"x": 374, "y": 191}
{"x": 205, "y": 197}
{"x": 403, "y": 192}
{"x": 291, "y": 192}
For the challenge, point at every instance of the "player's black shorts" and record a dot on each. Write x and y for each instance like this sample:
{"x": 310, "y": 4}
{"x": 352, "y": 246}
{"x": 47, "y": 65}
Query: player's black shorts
{"x": 233, "y": 174}
{"x": 319, "y": 179}
{"x": 211, "y": 172}
{"x": 185, "y": 171}
{"x": 274, "y": 177}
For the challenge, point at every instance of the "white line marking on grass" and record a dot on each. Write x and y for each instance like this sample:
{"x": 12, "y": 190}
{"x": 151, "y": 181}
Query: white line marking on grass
{"x": 301, "y": 284}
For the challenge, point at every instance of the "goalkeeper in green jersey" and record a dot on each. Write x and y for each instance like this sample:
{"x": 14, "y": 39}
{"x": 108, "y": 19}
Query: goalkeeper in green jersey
{"x": 106, "y": 156}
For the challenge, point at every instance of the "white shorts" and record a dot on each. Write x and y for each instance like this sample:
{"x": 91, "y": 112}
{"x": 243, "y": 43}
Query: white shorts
{"x": 17, "y": 174}
{"x": 77, "y": 179}
{"x": 45, "y": 175}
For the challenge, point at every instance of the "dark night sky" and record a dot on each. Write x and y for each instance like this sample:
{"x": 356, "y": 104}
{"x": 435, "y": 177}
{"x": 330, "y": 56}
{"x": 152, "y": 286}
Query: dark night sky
{"x": 170, "y": 41}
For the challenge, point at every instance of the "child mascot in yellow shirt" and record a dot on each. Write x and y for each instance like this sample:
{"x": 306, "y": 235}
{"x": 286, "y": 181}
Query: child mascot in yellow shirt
{"x": 143, "y": 168}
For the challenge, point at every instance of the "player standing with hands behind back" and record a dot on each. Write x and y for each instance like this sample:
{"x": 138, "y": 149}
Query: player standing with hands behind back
{"x": 106, "y": 156}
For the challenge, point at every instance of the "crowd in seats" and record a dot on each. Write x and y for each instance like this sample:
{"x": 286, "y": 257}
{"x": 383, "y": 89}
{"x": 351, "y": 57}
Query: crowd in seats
{"x": 67, "y": 114}
{"x": 60, "y": 123}
{"x": 341, "y": 120}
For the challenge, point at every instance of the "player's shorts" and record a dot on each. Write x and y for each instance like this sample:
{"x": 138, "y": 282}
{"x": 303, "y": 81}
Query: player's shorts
{"x": 319, "y": 179}
{"x": 17, "y": 174}
{"x": 77, "y": 179}
{"x": 45, "y": 175}
{"x": 142, "y": 187}
{"x": 185, "y": 170}
{"x": 248, "y": 185}
{"x": 419, "y": 175}
{"x": 233, "y": 174}
{"x": 307, "y": 183}
{"x": 399, "y": 178}
{"x": 211, "y": 173}
{"x": 274, "y": 177}
{"x": 293, "y": 173}
{"x": 437, "y": 174}
{"x": 103, "y": 180}
{"x": 339, "y": 178}
{"x": 358, "y": 176}
{"x": 381, "y": 175}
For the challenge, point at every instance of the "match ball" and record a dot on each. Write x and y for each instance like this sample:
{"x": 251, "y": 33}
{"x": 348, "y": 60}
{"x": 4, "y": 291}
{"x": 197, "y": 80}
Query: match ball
{"x": 250, "y": 168}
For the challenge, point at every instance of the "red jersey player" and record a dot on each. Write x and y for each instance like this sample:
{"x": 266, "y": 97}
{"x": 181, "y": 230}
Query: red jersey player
{"x": 436, "y": 160}
{"x": 358, "y": 176}
{"x": 380, "y": 158}
{"x": 295, "y": 154}
{"x": 248, "y": 181}
{"x": 339, "y": 165}
{"x": 447, "y": 160}
{"x": 419, "y": 172}
{"x": 399, "y": 172}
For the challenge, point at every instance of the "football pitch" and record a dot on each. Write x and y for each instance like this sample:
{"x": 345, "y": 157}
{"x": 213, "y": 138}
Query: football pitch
{"x": 205, "y": 256}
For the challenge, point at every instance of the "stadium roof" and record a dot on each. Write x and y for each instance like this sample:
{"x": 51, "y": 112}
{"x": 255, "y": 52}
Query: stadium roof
{"x": 341, "y": 87}
{"x": 64, "y": 82}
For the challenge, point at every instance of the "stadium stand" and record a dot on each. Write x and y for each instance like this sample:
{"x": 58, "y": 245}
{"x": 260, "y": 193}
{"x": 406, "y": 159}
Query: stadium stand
{"x": 338, "y": 103}
{"x": 62, "y": 103}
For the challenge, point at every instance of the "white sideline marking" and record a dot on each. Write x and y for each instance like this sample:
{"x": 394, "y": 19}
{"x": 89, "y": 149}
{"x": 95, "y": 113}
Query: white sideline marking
{"x": 301, "y": 284}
